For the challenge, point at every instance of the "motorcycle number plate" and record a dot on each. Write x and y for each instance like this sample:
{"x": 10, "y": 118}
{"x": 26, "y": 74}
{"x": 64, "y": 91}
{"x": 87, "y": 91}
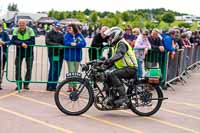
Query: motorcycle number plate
{"x": 73, "y": 74}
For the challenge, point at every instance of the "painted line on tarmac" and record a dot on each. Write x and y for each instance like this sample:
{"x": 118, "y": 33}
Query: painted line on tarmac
{"x": 41, "y": 91}
{"x": 86, "y": 116}
{"x": 36, "y": 120}
{"x": 179, "y": 103}
{"x": 8, "y": 95}
{"x": 165, "y": 110}
{"x": 174, "y": 112}
{"x": 112, "y": 124}
{"x": 186, "y": 104}
{"x": 180, "y": 113}
{"x": 167, "y": 123}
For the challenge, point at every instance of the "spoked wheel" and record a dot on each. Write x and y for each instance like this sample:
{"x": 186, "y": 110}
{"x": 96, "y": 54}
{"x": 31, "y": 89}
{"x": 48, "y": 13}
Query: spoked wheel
{"x": 74, "y": 96}
{"x": 146, "y": 99}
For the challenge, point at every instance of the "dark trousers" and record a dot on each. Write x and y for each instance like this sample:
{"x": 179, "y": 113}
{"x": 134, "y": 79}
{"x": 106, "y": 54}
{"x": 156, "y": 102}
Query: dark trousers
{"x": 116, "y": 75}
{"x": 93, "y": 54}
{"x": 2, "y": 66}
{"x": 54, "y": 71}
{"x": 29, "y": 65}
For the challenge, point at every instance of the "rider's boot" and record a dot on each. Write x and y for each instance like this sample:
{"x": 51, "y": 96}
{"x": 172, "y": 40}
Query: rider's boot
{"x": 122, "y": 96}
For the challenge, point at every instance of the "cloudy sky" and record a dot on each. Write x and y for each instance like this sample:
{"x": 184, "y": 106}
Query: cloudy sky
{"x": 183, "y": 6}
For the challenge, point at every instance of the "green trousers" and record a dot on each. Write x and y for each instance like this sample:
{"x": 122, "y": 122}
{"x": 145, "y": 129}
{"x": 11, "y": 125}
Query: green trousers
{"x": 73, "y": 67}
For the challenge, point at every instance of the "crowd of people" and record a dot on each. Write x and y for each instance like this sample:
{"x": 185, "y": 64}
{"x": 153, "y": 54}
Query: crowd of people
{"x": 23, "y": 37}
{"x": 143, "y": 40}
{"x": 140, "y": 40}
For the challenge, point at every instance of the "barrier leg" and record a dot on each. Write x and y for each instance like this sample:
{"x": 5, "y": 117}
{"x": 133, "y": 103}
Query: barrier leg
{"x": 198, "y": 66}
{"x": 182, "y": 80}
{"x": 19, "y": 87}
{"x": 187, "y": 74}
{"x": 171, "y": 86}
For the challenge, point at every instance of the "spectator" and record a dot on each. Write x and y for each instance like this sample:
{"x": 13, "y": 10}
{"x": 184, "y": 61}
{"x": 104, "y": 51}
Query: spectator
{"x": 97, "y": 42}
{"x": 195, "y": 38}
{"x": 4, "y": 25}
{"x": 4, "y": 41}
{"x": 50, "y": 27}
{"x": 23, "y": 36}
{"x": 155, "y": 41}
{"x": 46, "y": 28}
{"x": 169, "y": 42}
{"x": 90, "y": 32}
{"x": 185, "y": 41}
{"x": 54, "y": 38}
{"x": 73, "y": 55}
{"x": 142, "y": 45}
{"x": 156, "y": 44}
{"x": 136, "y": 32}
{"x": 130, "y": 38}
{"x": 85, "y": 30}
{"x": 177, "y": 39}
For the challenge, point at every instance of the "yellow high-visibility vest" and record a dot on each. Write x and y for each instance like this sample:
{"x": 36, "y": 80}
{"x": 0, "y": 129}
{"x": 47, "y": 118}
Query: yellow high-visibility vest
{"x": 129, "y": 58}
{"x": 4, "y": 26}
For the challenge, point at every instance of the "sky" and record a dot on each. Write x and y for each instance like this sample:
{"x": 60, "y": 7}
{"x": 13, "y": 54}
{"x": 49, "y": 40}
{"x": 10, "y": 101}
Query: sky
{"x": 33, "y": 6}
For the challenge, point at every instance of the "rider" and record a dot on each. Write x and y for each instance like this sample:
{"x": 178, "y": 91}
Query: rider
{"x": 123, "y": 62}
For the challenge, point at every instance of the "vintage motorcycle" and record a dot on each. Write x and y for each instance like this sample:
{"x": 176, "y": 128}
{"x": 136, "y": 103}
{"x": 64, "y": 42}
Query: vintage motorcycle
{"x": 145, "y": 97}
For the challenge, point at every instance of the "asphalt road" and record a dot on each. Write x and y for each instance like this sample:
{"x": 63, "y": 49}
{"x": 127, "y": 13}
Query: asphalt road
{"x": 35, "y": 111}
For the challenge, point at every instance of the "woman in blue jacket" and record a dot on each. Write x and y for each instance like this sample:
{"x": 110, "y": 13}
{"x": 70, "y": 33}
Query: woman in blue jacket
{"x": 73, "y": 55}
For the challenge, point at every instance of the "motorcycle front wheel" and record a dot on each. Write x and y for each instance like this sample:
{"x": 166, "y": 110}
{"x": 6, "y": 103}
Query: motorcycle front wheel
{"x": 74, "y": 96}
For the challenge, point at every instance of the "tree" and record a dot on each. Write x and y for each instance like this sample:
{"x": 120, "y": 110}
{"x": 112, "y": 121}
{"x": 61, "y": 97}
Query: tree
{"x": 194, "y": 26}
{"x": 163, "y": 26}
{"x": 12, "y": 7}
{"x": 168, "y": 18}
{"x": 94, "y": 17}
{"x": 150, "y": 25}
{"x": 87, "y": 12}
{"x": 185, "y": 25}
{"x": 62, "y": 15}
{"x": 81, "y": 16}
{"x": 149, "y": 18}
{"x": 125, "y": 16}
{"x": 56, "y": 15}
{"x": 51, "y": 13}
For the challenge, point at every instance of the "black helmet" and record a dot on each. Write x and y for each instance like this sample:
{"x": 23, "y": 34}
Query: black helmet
{"x": 115, "y": 34}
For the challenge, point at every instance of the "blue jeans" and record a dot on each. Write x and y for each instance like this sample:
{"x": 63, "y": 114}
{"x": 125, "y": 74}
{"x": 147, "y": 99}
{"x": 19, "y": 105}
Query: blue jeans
{"x": 54, "y": 71}
{"x": 140, "y": 68}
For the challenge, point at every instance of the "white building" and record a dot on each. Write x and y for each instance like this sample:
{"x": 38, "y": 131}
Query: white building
{"x": 188, "y": 18}
{"x": 10, "y": 14}
{"x": 196, "y": 18}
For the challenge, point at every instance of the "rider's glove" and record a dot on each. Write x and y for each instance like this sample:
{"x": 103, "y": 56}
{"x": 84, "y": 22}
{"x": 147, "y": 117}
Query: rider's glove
{"x": 107, "y": 62}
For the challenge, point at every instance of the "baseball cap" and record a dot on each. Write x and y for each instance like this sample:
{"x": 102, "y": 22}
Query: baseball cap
{"x": 56, "y": 24}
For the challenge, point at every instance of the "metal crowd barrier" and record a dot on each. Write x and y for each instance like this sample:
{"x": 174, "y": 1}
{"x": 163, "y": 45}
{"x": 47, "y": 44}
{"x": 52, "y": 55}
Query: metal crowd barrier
{"x": 39, "y": 63}
{"x": 1, "y": 64}
{"x": 171, "y": 69}
{"x": 157, "y": 59}
{"x": 184, "y": 60}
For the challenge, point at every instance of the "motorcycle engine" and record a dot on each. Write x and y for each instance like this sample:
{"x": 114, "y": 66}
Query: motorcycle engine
{"x": 100, "y": 77}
